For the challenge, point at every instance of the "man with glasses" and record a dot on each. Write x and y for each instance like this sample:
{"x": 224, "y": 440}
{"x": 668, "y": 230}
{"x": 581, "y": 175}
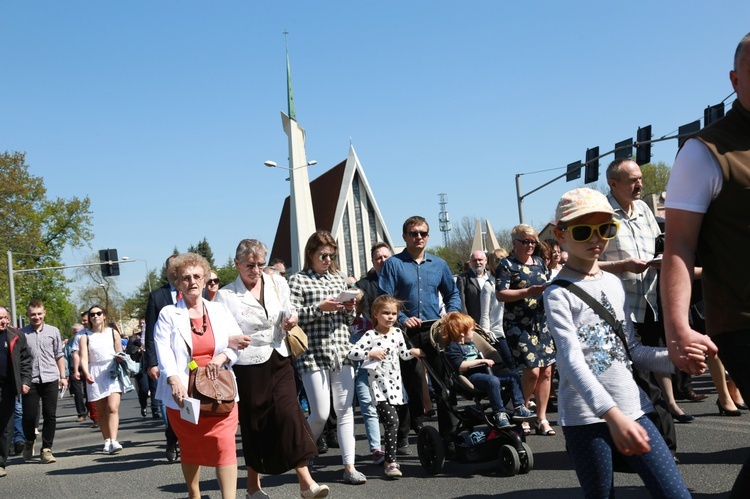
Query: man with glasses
{"x": 419, "y": 279}
{"x": 630, "y": 256}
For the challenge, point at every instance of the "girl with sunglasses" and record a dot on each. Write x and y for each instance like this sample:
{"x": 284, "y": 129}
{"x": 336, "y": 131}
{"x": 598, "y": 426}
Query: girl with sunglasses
{"x": 601, "y": 408}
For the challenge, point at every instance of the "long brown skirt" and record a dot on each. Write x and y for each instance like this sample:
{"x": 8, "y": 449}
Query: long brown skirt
{"x": 275, "y": 433}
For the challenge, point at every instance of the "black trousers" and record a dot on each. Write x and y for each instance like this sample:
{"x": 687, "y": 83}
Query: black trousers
{"x": 47, "y": 393}
{"x": 734, "y": 349}
{"x": 7, "y": 411}
{"x": 76, "y": 390}
{"x": 144, "y": 385}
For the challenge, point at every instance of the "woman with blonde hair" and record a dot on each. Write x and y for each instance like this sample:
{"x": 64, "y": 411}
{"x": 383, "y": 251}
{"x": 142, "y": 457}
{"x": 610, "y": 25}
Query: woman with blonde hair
{"x": 520, "y": 280}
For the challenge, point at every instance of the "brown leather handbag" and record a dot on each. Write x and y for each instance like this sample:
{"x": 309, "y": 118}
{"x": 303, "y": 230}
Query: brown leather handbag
{"x": 216, "y": 395}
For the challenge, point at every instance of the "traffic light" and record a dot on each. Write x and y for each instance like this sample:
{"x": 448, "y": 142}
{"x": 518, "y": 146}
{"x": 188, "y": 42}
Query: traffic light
{"x": 713, "y": 113}
{"x": 643, "y": 146}
{"x": 592, "y": 165}
{"x": 574, "y": 171}
{"x": 624, "y": 149}
{"x": 686, "y": 131}
{"x": 109, "y": 269}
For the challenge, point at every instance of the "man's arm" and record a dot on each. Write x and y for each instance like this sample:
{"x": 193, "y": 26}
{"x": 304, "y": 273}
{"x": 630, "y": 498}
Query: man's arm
{"x": 677, "y": 275}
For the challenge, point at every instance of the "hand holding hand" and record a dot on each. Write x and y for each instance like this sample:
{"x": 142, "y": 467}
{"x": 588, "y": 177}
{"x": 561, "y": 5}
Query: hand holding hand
{"x": 685, "y": 348}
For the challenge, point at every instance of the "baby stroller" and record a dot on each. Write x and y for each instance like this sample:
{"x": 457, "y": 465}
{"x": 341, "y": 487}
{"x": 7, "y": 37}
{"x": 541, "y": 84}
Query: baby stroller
{"x": 475, "y": 439}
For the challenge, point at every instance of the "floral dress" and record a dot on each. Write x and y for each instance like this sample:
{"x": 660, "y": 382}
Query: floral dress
{"x": 524, "y": 322}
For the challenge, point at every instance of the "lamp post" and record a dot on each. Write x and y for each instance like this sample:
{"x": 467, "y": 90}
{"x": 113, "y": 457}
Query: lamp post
{"x": 148, "y": 274}
{"x": 301, "y": 216}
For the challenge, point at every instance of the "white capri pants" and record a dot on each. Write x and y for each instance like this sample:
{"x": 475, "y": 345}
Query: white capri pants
{"x": 319, "y": 385}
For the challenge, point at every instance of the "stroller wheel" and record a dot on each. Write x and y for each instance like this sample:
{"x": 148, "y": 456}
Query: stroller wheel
{"x": 510, "y": 463}
{"x": 527, "y": 459}
{"x": 431, "y": 450}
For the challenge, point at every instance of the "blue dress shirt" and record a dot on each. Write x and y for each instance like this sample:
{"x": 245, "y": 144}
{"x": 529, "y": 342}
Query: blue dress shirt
{"x": 418, "y": 284}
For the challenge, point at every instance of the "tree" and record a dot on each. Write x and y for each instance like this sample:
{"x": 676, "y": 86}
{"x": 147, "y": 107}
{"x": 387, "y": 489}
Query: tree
{"x": 228, "y": 272}
{"x": 37, "y": 230}
{"x": 135, "y": 305}
{"x": 204, "y": 250}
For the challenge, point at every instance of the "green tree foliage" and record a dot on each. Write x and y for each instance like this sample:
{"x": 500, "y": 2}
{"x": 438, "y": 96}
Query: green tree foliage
{"x": 135, "y": 305}
{"x": 204, "y": 250}
{"x": 37, "y": 230}
{"x": 457, "y": 252}
{"x": 227, "y": 273}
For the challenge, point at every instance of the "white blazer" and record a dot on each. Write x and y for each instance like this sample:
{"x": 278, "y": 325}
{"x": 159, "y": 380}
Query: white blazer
{"x": 172, "y": 335}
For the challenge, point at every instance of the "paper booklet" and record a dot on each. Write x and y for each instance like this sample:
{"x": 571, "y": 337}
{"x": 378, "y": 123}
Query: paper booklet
{"x": 190, "y": 410}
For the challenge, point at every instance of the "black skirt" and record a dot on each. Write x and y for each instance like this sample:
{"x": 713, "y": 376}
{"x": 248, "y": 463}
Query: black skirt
{"x": 275, "y": 433}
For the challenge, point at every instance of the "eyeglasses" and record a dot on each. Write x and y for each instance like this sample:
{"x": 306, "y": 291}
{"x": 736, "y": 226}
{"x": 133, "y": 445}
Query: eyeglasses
{"x": 329, "y": 256}
{"x": 213, "y": 281}
{"x": 422, "y": 233}
{"x": 527, "y": 242}
{"x": 582, "y": 233}
{"x": 195, "y": 277}
{"x": 96, "y": 313}
{"x": 259, "y": 265}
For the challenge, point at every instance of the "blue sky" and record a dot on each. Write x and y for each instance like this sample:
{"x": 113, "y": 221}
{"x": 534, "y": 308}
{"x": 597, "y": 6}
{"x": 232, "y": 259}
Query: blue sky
{"x": 163, "y": 112}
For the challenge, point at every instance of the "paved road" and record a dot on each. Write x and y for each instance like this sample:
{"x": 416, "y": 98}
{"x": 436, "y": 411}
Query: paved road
{"x": 711, "y": 450}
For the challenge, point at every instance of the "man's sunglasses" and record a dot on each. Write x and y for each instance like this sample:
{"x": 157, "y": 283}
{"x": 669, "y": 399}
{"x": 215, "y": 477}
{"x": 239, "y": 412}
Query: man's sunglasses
{"x": 415, "y": 233}
{"x": 582, "y": 233}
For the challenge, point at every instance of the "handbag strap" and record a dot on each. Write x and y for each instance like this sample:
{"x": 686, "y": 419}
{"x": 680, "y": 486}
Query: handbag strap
{"x": 605, "y": 314}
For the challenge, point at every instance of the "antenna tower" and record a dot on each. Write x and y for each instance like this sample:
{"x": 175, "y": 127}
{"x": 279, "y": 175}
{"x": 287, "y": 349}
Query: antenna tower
{"x": 445, "y": 221}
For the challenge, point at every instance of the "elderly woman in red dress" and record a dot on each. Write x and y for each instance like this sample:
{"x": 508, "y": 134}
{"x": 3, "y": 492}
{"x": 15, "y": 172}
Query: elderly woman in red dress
{"x": 203, "y": 331}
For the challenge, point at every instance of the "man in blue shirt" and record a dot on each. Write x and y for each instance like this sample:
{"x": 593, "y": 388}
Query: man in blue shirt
{"x": 419, "y": 278}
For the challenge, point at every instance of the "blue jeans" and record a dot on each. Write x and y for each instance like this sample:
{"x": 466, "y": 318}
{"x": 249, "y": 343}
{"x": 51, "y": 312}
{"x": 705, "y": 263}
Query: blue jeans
{"x": 17, "y": 422}
{"x": 493, "y": 383}
{"x": 591, "y": 447}
{"x": 366, "y": 407}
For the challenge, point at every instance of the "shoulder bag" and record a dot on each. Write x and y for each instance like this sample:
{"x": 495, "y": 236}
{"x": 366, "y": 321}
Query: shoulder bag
{"x": 296, "y": 338}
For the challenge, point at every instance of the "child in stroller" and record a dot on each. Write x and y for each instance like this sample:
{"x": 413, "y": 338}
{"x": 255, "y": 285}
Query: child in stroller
{"x": 457, "y": 332}
{"x": 472, "y": 442}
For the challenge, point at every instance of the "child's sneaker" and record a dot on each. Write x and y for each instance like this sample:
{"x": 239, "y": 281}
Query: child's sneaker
{"x": 523, "y": 414}
{"x": 500, "y": 420}
{"x": 378, "y": 456}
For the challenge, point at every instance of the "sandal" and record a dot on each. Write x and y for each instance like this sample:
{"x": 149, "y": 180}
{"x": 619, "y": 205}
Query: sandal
{"x": 526, "y": 428}
{"x": 393, "y": 470}
{"x": 548, "y": 432}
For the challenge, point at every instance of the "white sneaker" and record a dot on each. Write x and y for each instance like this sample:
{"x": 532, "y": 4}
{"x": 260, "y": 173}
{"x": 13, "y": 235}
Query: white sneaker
{"x": 107, "y": 446}
{"x": 115, "y": 447}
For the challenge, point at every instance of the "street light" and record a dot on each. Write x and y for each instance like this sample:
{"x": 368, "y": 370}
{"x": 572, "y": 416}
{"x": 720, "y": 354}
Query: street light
{"x": 272, "y": 164}
{"x": 148, "y": 275}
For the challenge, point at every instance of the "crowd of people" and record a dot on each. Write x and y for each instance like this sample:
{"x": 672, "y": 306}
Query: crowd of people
{"x": 594, "y": 306}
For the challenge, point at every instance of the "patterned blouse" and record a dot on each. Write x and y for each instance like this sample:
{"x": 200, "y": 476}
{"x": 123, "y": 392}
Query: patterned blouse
{"x": 327, "y": 332}
{"x": 526, "y": 314}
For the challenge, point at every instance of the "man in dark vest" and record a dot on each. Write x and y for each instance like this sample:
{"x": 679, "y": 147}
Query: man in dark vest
{"x": 471, "y": 282}
{"x": 708, "y": 211}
